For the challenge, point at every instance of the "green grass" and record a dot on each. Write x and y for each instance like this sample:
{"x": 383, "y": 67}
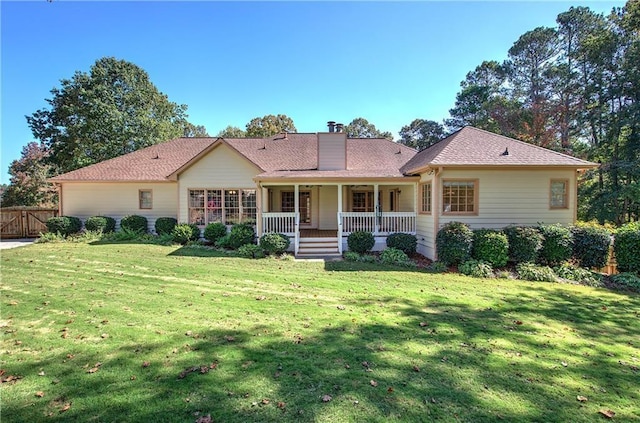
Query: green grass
{"x": 282, "y": 335}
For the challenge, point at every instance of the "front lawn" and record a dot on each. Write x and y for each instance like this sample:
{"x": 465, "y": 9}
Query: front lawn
{"x": 146, "y": 333}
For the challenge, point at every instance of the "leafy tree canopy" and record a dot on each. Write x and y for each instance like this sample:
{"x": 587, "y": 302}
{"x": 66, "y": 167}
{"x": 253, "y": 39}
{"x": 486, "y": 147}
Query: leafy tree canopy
{"x": 112, "y": 110}
{"x": 361, "y": 128}
{"x": 232, "y": 132}
{"x": 421, "y": 133}
{"x": 28, "y": 184}
{"x": 266, "y": 126}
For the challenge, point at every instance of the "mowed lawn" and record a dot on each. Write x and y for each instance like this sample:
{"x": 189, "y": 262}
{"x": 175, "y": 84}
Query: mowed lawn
{"x": 147, "y": 333}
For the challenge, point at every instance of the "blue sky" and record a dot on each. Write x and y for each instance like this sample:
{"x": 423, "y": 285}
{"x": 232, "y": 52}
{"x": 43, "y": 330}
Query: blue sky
{"x": 389, "y": 62}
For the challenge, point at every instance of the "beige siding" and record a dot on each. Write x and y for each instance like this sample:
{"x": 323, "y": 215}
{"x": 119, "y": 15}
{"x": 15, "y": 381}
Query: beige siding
{"x": 221, "y": 168}
{"x": 514, "y": 197}
{"x": 425, "y": 227}
{"x": 328, "y": 214}
{"x": 117, "y": 200}
{"x": 332, "y": 151}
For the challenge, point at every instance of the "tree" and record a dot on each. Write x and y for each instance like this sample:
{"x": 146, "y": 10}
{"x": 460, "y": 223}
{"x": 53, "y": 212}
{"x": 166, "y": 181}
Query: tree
{"x": 421, "y": 133}
{"x": 28, "y": 184}
{"x": 232, "y": 132}
{"x": 266, "y": 126}
{"x": 112, "y": 110}
{"x": 361, "y": 128}
{"x": 189, "y": 130}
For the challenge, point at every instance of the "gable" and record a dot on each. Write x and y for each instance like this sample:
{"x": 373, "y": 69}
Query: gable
{"x": 221, "y": 166}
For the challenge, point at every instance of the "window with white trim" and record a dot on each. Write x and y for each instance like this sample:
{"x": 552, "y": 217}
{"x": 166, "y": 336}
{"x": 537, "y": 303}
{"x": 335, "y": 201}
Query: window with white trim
{"x": 145, "y": 199}
{"x": 425, "y": 198}
{"x": 228, "y": 206}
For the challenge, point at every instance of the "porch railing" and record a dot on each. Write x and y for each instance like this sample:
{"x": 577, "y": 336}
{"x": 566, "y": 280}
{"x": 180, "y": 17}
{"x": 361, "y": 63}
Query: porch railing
{"x": 279, "y": 222}
{"x": 384, "y": 223}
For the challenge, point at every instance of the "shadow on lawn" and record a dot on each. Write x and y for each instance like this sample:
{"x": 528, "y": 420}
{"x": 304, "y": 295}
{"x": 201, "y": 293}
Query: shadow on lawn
{"x": 441, "y": 364}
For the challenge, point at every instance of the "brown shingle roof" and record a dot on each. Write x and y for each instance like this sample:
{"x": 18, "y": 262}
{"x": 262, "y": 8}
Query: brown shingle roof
{"x": 476, "y": 147}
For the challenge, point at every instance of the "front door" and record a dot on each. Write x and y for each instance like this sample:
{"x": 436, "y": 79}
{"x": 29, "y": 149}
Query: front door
{"x": 304, "y": 199}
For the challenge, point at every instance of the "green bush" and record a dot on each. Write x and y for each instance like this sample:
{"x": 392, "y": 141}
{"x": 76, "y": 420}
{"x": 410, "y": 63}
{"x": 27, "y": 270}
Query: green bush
{"x": 627, "y": 247}
{"x": 476, "y": 269}
{"x": 274, "y": 244}
{"x": 437, "y": 267}
{"x": 361, "y": 241}
{"x": 524, "y": 243}
{"x": 351, "y": 256}
{"x": 240, "y": 235}
{"x": 591, "y": 245}
{"x": 214, "y": 231}
{"x": 224, "y": 242}
{"x": 135, "y": 223}
{"x": 165, "y": 225}
{"x": 453, "y": 243}
{"x": 251, "y": 251}
{"x": 396, "y": 257}
{"x": 64, "y": 225}
{"x": 578, "y": 274}
{"x": 531, "y": 272}
{"x": 490, "y": 246}
{"x": 627, "y": 280}
{"x": 557, "y": 244}
{"x": 368, "y": 258}
{"x": 185, "y": 232}
{"x": 104, "y": 224}
{"x": 403, "y": 242}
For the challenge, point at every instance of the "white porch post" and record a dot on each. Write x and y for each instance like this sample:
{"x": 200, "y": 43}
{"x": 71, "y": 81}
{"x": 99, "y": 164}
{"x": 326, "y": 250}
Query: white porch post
{"x": 340, "y": 218}
{"x": 259, "y": 212}
{"x": 376, "y": 208}
{"x": 296, "y": 202}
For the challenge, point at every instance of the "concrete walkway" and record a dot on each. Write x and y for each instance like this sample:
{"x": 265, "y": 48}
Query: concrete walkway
{"x": 14, "y": 243}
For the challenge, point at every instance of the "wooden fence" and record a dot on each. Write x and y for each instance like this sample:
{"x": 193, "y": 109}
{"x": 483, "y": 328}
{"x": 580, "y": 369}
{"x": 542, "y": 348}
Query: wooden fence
{"x": 24, "y": 222}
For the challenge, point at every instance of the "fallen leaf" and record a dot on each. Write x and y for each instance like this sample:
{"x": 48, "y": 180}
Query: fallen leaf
{"x": 104, "y": 335}
{"x": 261, "y": 297}
{"x": 146, "y": 364}
{"x": 373, "y": 383}
{"x": 133, "y": 378}
{"x": 423, "y": 324}
{"x": 390, "y": 389}
{"x": 416, "y": 368}
{"x": 581, "y": 398}
{"x": 564, "y": 364}
{"x": 205, "y": 419}
{"x": 265, "y": 401}
{"x": 65, "y": 407}
{"x": 229, "y": 338}
{"x": 326, "y": 398}
{"x": 41, "y": 374}
{"x": 281, "y": 404}
{"x": 607, "y": 413}
{"x": 39, "y": 394}
{"x": 341, "y": 307}
{"x": 93, "y": 370}
{"x": 517, "y": 322}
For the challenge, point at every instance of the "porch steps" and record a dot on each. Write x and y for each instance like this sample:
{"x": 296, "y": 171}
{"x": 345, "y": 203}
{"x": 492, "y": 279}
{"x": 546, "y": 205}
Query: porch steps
{"x": 318, "y": 247}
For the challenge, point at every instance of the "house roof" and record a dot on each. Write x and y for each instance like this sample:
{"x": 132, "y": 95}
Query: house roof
{"x": 476, "y": 147}
{"x": 276, "y": 156}
{"x": 296, "y": 156}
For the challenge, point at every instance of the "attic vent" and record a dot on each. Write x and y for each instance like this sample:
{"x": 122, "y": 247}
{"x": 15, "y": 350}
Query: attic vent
{"x": 506, "y": 152}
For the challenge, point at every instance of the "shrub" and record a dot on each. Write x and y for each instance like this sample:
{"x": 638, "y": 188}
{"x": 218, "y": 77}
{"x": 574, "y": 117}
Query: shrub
{"x": 403, "y": 242}
{"x": 368, "y": 258}
{"x": 627, "y": 280}
{"x": 274, "y": 243}
{"x": 437, "y": 267}
{"x": 577, "y": 274}
{"x": 627, "y": 247}
{"x": 476, "y": 269}
{"x": 591, "y": 245}
{"x": 532, "y": 272}
{"x": 351, "y": 256}
{"x": 215, "y": 231}
{"x": 251, "y": 251}
{"x": 524, "y": 243}
{"x": 104, "y": 224}
{"x": 361, "y": 241}
{"x": 50, "y": 237}
{"x": 396, "y": 257}
{"x": 491, "y": 247}
{"x": 557, "y": 244}
{"x": 64, "y": 225}
{"x": 165, "y": 225}
{"x": 185, "y": 232}
{"x": 453, "y": 243}
{"x": 224, "y": 242}
{"x": 124, "y": 234}
{"x": 135, "y": 223}
{"x": 240, "y": 235}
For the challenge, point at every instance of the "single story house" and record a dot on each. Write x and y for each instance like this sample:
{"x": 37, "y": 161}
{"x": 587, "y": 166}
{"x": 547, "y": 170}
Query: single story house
{"x": 319, "y": 187}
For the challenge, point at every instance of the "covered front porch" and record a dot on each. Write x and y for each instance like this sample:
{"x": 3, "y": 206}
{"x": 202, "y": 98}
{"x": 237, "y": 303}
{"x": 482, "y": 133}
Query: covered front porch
{"x": 319, "y": 217}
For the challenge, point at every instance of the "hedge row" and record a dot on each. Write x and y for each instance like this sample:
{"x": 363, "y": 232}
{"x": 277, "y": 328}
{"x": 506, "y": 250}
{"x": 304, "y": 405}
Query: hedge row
{"x": 549, "y": 245}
